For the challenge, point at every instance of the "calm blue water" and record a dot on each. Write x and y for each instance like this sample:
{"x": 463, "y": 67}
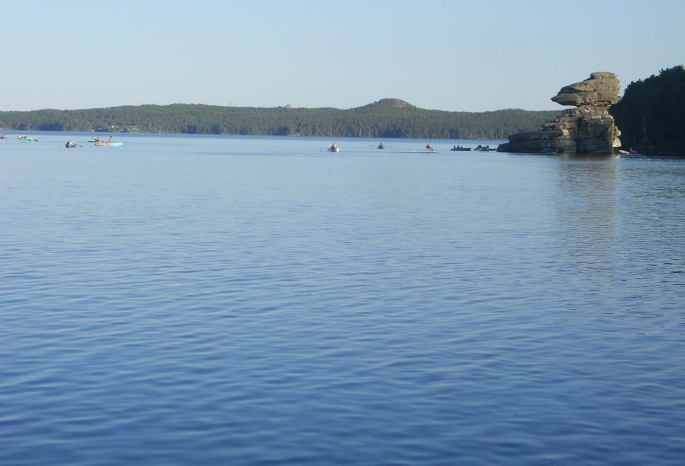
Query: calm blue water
{"x": 203, "y": 300}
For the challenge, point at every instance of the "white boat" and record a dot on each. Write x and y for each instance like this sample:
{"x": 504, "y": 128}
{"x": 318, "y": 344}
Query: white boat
{"x": 108, "y": 144}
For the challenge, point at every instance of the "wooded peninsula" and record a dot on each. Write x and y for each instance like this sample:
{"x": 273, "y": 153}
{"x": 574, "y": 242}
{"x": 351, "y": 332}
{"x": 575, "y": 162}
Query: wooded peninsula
{"x": 387, "y": 118}
{"x": 651, "y": 114}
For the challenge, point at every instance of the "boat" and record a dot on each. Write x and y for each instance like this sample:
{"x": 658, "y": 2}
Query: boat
{"x": 333, "y": 148}
{"x": 429, "y": 148}
{"x": 460, "y": 148}
{"x": 484, "y": 148}
{"x": 70, "y": 144}
{"x": 109, "y": 142}
{"x": 2, "y": 136}
{"x": 628, "y": 152}
{"x": 25, "y": 138}
{"x": 380, "y": 146}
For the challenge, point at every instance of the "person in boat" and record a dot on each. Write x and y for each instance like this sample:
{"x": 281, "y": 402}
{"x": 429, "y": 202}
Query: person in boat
{"x": 334, "y": 146}
{"x": 110, "y": 139}
{"x": 429, "y": 148}
{"x": 380, "y": 146}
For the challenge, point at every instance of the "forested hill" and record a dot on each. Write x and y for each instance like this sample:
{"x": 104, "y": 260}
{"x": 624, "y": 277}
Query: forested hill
{"x": 651, "y": 114}
{"x": 387, "y": 118}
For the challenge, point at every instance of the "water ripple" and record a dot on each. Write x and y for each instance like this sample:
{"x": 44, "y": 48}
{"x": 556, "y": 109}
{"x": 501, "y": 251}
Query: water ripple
{"x": 183, "y": 303}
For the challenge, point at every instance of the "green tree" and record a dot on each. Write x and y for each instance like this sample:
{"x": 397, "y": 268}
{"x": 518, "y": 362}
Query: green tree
{"x": 651, "y": 114}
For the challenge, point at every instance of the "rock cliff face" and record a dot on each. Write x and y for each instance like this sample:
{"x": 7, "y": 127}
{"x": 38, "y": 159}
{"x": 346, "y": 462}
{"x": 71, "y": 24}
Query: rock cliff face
{"x": 586, "y": 129}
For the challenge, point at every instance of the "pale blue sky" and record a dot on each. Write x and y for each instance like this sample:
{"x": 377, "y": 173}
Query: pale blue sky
{"x": 448, "y": 55}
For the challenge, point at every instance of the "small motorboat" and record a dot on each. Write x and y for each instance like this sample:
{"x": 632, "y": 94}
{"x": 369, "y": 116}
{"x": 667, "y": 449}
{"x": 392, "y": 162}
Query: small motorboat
{"x": 460, "y": 148}
{"x": 108, "y": 144}
{"x": 70, "y": 144}
{"x": 25, "y": 138}
{"x": 484, "y": 148}
{"x": 627, "y": 152}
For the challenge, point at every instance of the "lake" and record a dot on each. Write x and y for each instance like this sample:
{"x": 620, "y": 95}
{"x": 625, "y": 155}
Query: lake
{"x": 203, "y": 300}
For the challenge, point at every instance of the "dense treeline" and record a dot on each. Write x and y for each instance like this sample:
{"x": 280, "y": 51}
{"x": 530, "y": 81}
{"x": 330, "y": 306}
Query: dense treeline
{"x": 651, "y": 114}
{"x": 387, "y": 118}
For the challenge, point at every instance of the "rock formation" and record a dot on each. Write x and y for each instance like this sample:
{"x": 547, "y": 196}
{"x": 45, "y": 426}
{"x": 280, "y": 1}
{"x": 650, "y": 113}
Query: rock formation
{"x": 586, "y": 129}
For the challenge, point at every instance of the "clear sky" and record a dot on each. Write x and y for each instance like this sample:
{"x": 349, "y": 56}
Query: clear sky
{"x": 449, "y": 55}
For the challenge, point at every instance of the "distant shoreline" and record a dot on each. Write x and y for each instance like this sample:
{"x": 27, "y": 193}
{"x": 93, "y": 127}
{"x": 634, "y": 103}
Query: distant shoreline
{"x": 386, "y": 118}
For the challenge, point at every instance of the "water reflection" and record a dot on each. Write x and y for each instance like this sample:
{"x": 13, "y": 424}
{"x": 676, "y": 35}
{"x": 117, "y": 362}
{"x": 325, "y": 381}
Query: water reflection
{"x": 586, "y": 209}
{"x": 587, "y": 196}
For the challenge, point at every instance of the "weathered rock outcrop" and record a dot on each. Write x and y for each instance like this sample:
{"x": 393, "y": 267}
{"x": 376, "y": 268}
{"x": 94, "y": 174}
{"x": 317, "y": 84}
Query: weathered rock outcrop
{"x": 586, "y": 129}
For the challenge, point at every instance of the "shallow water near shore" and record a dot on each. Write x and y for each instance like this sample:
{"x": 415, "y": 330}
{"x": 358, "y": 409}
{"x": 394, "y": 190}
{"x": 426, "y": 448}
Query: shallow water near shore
{"x": 212, "y": 300}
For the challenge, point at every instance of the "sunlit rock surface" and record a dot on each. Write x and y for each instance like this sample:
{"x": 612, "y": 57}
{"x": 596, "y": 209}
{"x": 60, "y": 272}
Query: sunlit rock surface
{"x": 586, "y": 129}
